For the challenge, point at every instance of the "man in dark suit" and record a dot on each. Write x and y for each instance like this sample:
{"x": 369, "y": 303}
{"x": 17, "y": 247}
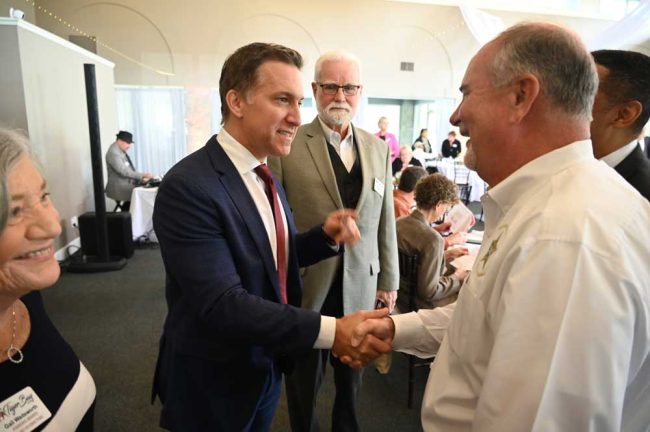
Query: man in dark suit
{"x": 621, "y": 109}
{"x": 232, "y": 257}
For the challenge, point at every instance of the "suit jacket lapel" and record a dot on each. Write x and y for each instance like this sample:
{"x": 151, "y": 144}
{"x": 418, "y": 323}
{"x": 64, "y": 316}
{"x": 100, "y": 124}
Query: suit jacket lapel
{"x": 234, "y": 186}
{"x": 317, "y": 146}
{"x": 365, "y": 152}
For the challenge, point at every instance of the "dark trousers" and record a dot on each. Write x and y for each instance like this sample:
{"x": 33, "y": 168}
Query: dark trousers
{"x": 267, "y": 404}
{"x": 304, "y": 382}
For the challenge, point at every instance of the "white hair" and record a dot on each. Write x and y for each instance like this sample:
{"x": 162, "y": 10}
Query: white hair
{"x": 336, "y": 55}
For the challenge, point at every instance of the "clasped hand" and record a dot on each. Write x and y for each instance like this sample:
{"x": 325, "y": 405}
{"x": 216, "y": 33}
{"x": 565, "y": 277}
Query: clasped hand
{"x": 357, "y": 349}
{"x": 341, "y": 226}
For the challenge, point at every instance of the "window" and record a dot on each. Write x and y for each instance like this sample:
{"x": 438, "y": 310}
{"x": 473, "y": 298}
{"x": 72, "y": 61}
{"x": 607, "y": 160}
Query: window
{"x": 156, "y": 117}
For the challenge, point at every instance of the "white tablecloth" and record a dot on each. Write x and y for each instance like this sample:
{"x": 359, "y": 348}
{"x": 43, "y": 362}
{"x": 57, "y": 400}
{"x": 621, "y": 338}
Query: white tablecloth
{"x": 142, "y": 201}
{"x": 449, "y": 169}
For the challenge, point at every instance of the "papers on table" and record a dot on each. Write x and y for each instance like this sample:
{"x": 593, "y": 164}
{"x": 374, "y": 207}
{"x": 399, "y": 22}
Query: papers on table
{"x": 466, "y": 262}
{"x": 461, "y": 218}
{"x": 475, "y": 237}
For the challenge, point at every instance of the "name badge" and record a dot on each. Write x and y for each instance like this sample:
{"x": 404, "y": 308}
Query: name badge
{"x": 24, "y": 412}
{"x": 379, "y": 187}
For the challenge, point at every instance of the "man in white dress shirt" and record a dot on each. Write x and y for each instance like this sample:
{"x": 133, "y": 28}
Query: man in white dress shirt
{"x": 551, "y": 332}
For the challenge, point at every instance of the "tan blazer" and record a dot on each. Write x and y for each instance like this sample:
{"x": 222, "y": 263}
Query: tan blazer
{"x": 415, "y": 236}
{"x": 309, "y": 181}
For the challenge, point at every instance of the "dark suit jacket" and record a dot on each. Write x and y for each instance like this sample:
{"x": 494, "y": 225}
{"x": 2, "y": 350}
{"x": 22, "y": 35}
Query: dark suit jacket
{"x": 646, "y": 149}
{"x": 635, "y": 168}
{"x": 452, "y": 149}
{"x": 398, "y": 164}
{"x": 225, "y": 328}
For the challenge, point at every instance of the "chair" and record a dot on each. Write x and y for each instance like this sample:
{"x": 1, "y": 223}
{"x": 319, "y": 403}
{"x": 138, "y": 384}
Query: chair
{"x": 408, "y": 279}
{"x": 464, "y": 193}
{"x": 461, "y": 178}
{"x": 118, "y": 206}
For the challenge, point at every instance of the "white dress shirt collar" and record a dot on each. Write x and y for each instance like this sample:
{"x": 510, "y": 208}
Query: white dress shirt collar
{"x": 617, "y": 156}
{"x": 333, "y": 137}
{"x": 239, "y": 155}
{"x": 524, "y": 182}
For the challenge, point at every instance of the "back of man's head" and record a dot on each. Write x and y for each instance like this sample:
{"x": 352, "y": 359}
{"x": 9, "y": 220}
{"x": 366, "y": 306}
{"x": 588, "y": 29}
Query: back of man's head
{"x": 410, "y": 177}
{"x": 557, "y": 57}
{"x": 239, "y": 71}
{"x": 627, "y": 79}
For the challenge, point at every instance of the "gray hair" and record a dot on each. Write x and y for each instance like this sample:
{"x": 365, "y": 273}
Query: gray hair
{"x": 13, "y": 146}
{"x": 337, "y": 55}
{"x": 557, "y": 57}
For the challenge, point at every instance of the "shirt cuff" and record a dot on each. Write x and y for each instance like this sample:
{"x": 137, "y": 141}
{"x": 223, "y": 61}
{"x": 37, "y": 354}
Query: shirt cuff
{"x": 408, "y": 330}
{"x": 325, "y": 339}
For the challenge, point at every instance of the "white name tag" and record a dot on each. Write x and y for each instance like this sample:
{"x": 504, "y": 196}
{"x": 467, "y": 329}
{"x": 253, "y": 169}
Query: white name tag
{"x": 23, "y": 412}
{"x": 379, "y": 187}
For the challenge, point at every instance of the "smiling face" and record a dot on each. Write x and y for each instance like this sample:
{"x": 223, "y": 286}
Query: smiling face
{"x": 337, "y": 110}
{"x": 268, "y": 117}
{"x": 481, "y": 113}
{"x": 27, "y": 259}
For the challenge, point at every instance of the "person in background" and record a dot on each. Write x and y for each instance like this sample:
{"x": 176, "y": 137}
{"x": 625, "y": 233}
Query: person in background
{"x": 41, "y": 378}
{"x": 621, "y": 109}
{"x": 122, "y": 176}
{"x": 389, "y": 138}
{"x": 232, "y": 258}
{"x": 451, "y": 147}
{"x": 334, "y": 164}
{"x": 404, "y": 195}
{"x": 423, "y": 141}
{"x": 404, "y": 160}
{"x": 550, "y": 331}
{"x": 434, "y": 195}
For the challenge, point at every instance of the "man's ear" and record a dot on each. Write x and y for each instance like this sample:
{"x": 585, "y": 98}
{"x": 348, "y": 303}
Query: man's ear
{"x": 627, "y": 113}
{"x": 525, "y": 91}
{"x": 235, "y": 102}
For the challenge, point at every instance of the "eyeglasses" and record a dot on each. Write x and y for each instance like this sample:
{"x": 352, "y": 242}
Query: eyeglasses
{"x": 332, "y": 89}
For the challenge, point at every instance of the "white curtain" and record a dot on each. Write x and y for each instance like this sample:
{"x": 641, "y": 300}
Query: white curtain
{"x": 156, "y": 117}
{"x": 633, "y": 28}
{"x": 483, "y": 26}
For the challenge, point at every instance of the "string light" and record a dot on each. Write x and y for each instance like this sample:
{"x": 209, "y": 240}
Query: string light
{"x": 94, "y": 39}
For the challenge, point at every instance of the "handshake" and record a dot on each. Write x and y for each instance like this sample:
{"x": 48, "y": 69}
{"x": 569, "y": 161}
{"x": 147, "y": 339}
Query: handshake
{"x": 363, "y": 336}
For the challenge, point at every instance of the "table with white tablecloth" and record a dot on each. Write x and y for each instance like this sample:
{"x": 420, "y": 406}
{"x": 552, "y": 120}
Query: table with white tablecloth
{"x": 142, "y": 201}
{"x": 459, "y": 173}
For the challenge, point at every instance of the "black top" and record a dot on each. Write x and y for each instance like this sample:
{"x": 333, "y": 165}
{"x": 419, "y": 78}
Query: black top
{"x": 398, "y": 164}
{"x": 451, "y": 149}
{"x": 49, "y": 365}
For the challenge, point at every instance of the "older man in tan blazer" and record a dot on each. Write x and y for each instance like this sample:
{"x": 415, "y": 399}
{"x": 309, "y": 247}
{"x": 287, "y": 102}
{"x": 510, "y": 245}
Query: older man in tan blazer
{"x": 333, "y": 165}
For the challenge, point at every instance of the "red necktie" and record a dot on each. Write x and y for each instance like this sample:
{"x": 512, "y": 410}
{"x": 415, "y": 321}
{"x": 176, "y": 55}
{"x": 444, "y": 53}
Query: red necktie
{"x": 272, "y": 194}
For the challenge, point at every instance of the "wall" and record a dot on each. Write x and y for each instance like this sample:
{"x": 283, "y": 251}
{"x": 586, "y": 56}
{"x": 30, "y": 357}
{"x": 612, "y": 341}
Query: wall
{"x": 50, "y": 105}
{"x": 193, "y": 39}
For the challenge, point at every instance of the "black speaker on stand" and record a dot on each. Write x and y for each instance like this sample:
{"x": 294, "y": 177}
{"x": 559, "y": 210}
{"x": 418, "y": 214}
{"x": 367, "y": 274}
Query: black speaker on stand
{"x": 102, "y": 261}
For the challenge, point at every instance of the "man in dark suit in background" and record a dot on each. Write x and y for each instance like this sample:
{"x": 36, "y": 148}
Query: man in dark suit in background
{"x": 232, "y": 257}
{"x": 621, "y": 109}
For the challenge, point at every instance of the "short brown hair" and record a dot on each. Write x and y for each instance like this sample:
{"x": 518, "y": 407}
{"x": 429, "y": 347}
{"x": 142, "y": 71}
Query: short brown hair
{"x": 239, "y": 71}
{"x": 434, "y": 189}
{"x": 410, "y": 177}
